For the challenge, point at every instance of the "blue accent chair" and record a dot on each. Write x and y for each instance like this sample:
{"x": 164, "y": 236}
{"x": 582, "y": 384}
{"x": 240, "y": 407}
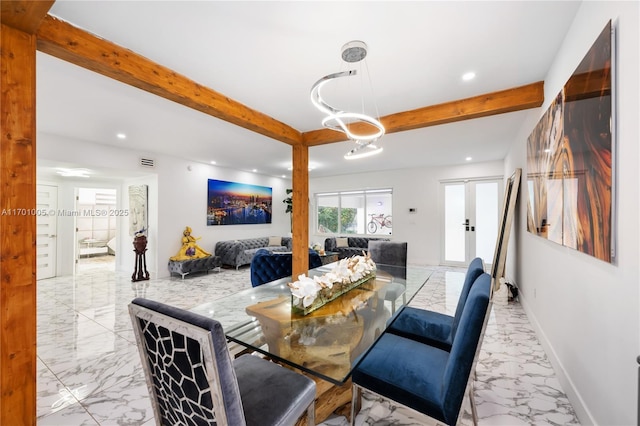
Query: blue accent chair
{"x": 422, "y": 377}
{"x": 267, "y": 266}
{"x": 192, "y": 379}
{"x": 434, "y": 328}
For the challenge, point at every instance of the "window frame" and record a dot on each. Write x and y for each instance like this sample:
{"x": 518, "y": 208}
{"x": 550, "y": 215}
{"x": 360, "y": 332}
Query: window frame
{"x": 340, "y": 194}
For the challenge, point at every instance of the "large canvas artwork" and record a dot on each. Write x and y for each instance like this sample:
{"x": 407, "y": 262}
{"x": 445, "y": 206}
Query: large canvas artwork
{"x": 570, "y": 159}
{"x": 231, "y": 203}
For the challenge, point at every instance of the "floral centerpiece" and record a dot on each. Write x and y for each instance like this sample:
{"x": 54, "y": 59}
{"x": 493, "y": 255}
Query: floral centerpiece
{"x": 309, "y": 294}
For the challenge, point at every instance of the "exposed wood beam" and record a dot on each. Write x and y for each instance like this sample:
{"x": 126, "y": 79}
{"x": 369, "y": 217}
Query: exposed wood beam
{"x": 17, "y": 227}
{"x": 516, "y": 99}
{"x": 24, "y": 15}
{"x": 300, "y": 214}
{"x": 62, "y": 40}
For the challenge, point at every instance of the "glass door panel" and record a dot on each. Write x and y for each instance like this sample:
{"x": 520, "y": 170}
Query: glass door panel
{"x": 454, "y": 217}
{"x": 487, "y": 215}
{"x": 471, "y": 216}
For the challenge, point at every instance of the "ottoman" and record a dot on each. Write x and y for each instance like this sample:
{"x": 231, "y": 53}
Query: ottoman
{"x": 184, "y": 267}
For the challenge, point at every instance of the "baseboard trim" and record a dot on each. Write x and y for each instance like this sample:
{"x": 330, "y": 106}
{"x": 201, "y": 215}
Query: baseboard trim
{"x": 581, "y": 409}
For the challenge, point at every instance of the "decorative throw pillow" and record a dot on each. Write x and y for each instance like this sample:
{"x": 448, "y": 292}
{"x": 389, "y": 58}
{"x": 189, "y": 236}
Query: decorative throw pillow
{"x": 275, "y": 241}
{"x": 342, "y": 242}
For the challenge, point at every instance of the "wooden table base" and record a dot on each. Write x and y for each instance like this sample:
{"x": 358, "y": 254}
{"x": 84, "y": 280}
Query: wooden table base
{"x": 330, "y": 399}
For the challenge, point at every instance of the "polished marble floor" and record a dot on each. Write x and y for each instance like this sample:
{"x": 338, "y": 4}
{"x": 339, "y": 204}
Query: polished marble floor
{"x": 89, "y": 369}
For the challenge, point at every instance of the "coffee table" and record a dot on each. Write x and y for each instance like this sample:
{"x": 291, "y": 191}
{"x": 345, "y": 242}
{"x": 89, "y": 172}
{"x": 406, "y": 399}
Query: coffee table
{"x": 329, "y": 257}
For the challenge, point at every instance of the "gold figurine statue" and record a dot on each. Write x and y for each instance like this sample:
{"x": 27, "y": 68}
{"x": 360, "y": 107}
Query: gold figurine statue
{"x": 189, "y": 249}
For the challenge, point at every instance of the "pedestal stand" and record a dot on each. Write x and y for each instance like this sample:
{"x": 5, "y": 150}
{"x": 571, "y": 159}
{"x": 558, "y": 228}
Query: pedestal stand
{"x": 140, "y": 248}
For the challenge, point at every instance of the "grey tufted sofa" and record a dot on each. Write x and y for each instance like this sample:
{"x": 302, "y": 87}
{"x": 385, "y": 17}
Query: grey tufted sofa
{"x": 356, "y": 245}
{"x": 240, "y": 252}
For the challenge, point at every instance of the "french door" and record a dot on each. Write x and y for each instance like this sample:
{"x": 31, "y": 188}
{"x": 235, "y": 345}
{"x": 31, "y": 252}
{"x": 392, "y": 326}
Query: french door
{"x": 471, "y": 214}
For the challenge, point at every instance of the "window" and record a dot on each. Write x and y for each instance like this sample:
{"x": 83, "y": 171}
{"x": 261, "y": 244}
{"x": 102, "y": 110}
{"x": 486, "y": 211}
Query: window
{"x": 366, "y": 212}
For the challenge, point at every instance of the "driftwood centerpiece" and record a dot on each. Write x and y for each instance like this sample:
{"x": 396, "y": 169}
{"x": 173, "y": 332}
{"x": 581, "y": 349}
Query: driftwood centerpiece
{"x": 309, "y": 294}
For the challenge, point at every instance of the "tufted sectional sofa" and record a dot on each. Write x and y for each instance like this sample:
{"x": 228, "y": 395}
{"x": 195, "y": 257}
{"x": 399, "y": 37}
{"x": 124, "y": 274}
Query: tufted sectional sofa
{"x": 240, "y": 252}
{"x": 356, "y": 245}
{"x": 269, "y": 266}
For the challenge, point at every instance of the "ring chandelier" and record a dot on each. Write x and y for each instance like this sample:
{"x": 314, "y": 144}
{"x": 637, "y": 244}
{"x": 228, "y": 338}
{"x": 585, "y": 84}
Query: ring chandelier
{"x": 342, "y": 121}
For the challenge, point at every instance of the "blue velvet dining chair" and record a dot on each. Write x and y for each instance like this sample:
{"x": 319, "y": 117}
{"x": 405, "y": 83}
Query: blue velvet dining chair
{"x": 192, "y": 379}
{"x": 432, "y": 327}
{"x": 425, "y": 378}
{"x": 267, "y": 266}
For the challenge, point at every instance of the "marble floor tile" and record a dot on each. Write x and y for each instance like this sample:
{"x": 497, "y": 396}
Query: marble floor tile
{"x": 74, "y": 415}
{"x": 127, "y": 403}
{"x": 89, "y": 369}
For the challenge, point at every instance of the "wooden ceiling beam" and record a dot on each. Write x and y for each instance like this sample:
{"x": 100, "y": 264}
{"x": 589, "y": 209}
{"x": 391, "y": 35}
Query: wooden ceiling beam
{"x": 516, "y": 99}
{"x": 62, "y": 40}
{"x": 24, "y": 15}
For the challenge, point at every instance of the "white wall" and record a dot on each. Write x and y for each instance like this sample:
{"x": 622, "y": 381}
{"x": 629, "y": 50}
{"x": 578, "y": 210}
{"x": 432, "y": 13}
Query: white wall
{"x": 182, "y": 201}
{"x": 418, "y": 188}
{"x": 177, "y": 198}
{"x": 585, "y": 311}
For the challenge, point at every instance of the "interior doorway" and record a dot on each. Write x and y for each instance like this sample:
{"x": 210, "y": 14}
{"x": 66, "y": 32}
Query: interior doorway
{"x": 95, "y": 229}
{"x": 46, "y": 234}
{"x": 471, "y": 214}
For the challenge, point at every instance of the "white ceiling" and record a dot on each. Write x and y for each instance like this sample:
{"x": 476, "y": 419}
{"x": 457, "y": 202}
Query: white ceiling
{"x": 267, "y": 55}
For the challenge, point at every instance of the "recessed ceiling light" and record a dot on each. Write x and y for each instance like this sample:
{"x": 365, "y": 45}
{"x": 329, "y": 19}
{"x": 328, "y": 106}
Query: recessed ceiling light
{"x": 284, "y": 176}
{"x": 213, "y": 162}
{"x": 311, "y": 167}
{"x": 85, "y": 173}
{"x": 254, "y": 170}
{"x": 469, "y": 76}
{"x": 121, "y": 136}
{"x": 468, "y": 159}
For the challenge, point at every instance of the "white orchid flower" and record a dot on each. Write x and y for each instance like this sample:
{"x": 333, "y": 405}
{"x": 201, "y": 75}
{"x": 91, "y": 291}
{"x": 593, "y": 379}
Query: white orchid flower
{"x": 325, "y": 281}
{"x": 341, "y": 270}
{"x": 346, "y": 271}
{"x": 306, "y": 289}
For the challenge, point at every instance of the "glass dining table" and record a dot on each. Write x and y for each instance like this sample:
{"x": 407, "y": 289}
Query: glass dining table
{"x": 328, "y": 342}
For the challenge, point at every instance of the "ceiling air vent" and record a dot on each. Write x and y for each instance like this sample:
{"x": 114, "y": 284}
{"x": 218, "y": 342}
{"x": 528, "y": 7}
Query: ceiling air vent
{"x": 147, "y": 162}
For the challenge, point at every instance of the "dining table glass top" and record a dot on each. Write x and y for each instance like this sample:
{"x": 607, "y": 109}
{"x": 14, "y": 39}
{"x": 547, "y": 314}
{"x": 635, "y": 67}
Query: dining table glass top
{"x": 326, "y": 342}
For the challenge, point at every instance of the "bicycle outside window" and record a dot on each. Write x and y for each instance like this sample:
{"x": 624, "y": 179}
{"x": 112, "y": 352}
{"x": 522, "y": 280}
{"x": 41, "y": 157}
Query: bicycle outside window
{"x": 358, "y": 212}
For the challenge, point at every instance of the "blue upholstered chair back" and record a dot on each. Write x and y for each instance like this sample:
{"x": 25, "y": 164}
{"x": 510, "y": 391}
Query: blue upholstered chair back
{"x": 267, "y": 266}
{"x": 466, "y": 346}
{"x": 189, "y": 371}
{"x": 475, "y": 269}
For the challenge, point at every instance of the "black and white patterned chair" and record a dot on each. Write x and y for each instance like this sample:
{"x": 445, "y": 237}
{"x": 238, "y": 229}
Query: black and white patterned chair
{"x": 192, "y": 379}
